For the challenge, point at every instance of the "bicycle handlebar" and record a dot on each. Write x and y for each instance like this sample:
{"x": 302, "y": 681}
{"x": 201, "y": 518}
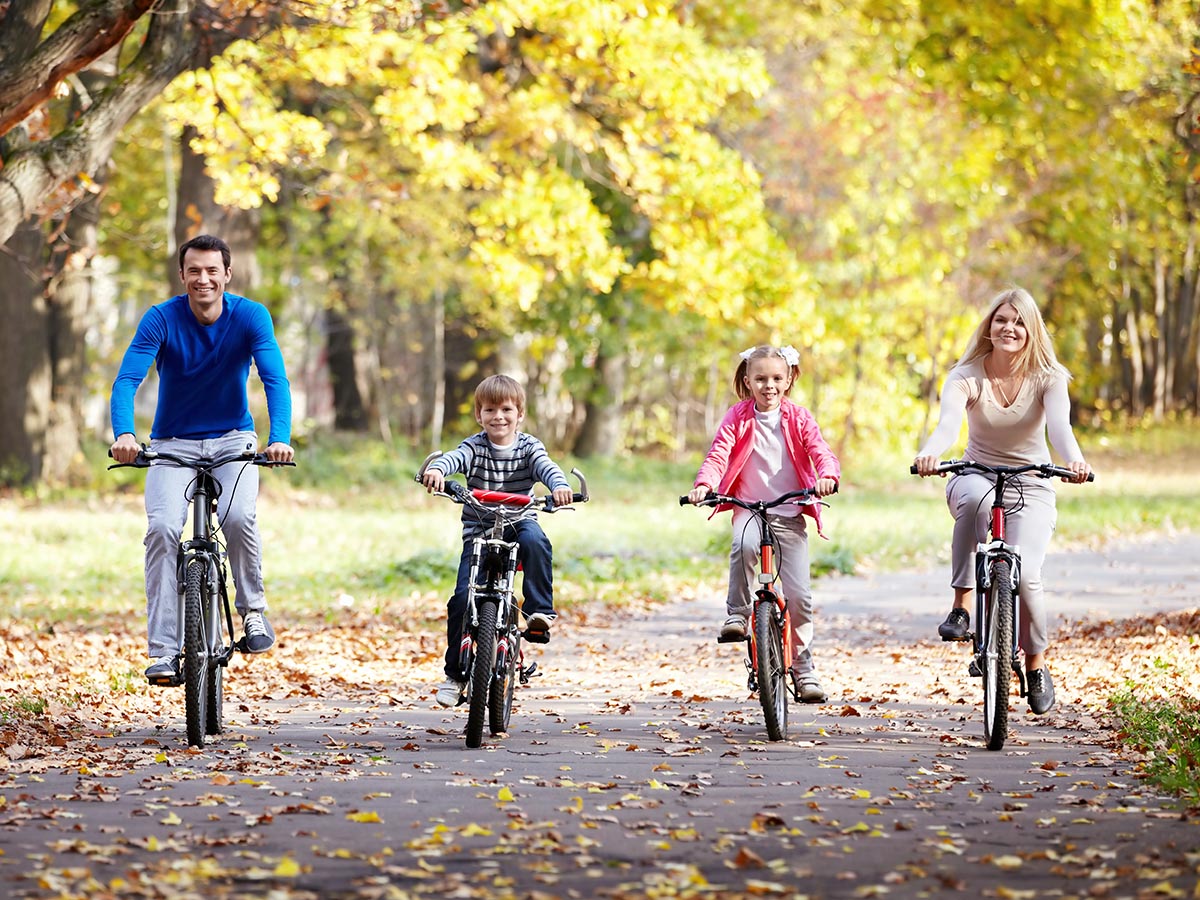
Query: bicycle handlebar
{"x": 490, "y": 500}
{"x": 1042, "y": 470}
{"x": 713, "y": 498}
{"x": 146, "y": 457}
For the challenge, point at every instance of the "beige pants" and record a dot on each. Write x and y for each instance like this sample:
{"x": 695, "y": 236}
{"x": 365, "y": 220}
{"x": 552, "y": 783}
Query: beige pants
{"x": 791, "y": 562}
{"x": 1030, "y": 526}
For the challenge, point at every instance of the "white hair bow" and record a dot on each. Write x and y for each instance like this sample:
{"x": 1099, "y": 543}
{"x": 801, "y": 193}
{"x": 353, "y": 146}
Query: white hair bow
{"x": 789, "y": 354}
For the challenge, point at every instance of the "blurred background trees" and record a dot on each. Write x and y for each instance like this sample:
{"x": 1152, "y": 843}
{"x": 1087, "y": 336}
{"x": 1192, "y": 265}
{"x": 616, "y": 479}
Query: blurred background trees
{"x": 607, "y": 198}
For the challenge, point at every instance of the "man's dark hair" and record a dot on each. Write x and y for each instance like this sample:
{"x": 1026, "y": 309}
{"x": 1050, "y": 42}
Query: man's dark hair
{"x": 206, "y": 242}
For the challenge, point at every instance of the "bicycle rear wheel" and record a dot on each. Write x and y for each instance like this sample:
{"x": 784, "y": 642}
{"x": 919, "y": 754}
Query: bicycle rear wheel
{"x": 997, "y": 660}
{"x": 196, "y": 679}
{"x": 483, "y": 667}
{"x": 501, "y": 699}
{"x": 771, "y": 670}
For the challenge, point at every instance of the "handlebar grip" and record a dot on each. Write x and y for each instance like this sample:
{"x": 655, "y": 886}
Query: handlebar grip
{"x": 579, "y": 498}
{"x": 685, "y": 500}
{"x": 912, "y": 470}
{"x": 1091, "y": 476}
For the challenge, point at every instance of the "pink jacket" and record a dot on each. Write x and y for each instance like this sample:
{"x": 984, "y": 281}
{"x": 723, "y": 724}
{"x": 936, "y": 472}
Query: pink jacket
{"x": 734, "y": 441}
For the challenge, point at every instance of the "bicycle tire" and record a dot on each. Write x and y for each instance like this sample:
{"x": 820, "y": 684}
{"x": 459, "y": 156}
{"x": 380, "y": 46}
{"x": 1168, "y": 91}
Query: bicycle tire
{"x": 503, "y": 686}
{"x": 997, "y": 662}
{"x": 771, "y": 670}
{"x": 195, "y": 652}
{"x": 483, "y": 668}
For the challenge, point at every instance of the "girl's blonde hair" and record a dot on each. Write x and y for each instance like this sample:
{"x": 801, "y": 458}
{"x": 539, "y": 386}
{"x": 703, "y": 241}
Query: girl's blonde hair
{"x": 765, "y": 351}
{"x": 1038, "y": 354}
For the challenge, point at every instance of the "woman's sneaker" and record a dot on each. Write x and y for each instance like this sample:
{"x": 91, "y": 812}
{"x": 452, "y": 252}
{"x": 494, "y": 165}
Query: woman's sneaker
{"x": 1040, "y": 691}
{"x": 450, "y": 692}
{"x": 957, "y": 626}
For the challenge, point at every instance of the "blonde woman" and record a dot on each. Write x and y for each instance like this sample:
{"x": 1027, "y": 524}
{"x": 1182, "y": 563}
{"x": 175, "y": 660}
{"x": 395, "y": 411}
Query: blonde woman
{"x": 1013, "y": 392}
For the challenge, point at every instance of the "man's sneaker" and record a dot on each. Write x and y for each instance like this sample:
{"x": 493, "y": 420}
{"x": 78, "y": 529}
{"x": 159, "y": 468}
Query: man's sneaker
{"x": 260, "y": 636}
{"x": 450, "y": 692}
{"x": 807, "y": 688}
{"x": 163, "y": 669}
{"x": 1041, "y": 691}
{"x": 957, "y": 626}
{"x": 734, "y": 629}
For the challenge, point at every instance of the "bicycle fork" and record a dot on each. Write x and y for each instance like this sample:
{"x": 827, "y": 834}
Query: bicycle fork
{"x": 986, "y": 554}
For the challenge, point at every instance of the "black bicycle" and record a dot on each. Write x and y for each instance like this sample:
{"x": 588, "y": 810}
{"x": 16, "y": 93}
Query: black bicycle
{"x": 995, "y": 651}
{"x": 490, "y": 650}
{"x": 207, "y": 639}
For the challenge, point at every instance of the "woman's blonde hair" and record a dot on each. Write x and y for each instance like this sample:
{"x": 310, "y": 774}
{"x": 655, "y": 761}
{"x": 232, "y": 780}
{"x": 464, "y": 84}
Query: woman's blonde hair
{"x": 765, "y": 351}
{"x": 1038, "y": 354}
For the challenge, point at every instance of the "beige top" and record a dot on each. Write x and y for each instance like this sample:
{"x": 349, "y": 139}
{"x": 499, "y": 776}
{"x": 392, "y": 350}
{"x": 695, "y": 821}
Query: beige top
{"x": 999, "y": 435}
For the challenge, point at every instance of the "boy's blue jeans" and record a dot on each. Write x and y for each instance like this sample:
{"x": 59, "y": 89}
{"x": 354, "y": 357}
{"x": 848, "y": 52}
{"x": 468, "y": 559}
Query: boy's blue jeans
{"x": 535, "y": 555}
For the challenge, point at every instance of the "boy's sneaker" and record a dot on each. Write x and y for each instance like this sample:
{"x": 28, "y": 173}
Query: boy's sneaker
{"x": 537, "y": 627}
{"x": 734, "y": 629}
{"x": 957, "y": 626}
{"x": 260, "y": 636}
{"x": 163, "y": 670}
{"x": 450, "y": 692}
{"x": 807, "y": 688}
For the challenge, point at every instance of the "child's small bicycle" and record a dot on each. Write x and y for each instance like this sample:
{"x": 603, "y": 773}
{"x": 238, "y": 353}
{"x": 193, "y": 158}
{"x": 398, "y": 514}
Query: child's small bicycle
{"x": 769, "y": 632}
{"x": 994, "y": 646}
{"x": 205, "y": 620}
{"x": 490, "y": 651}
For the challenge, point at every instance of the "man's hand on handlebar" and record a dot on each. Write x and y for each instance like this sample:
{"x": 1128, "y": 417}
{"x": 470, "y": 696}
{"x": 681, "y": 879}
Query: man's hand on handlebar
{"x": 125, "y": 448}
{"x": 279, "y": 452}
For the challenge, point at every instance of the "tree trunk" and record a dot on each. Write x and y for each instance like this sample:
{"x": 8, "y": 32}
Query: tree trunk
{"x": 349, "y": 413}
{"x": 601, "y": 431}
{"x": 25, "y": 367}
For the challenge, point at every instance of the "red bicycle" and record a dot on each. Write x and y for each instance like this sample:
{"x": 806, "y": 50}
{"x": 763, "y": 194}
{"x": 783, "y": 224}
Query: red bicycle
{"x": 768, "y": 638}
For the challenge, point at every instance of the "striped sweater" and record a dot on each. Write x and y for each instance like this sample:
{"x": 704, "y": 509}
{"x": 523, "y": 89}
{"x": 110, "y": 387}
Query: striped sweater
{"x": 515, "y": 469}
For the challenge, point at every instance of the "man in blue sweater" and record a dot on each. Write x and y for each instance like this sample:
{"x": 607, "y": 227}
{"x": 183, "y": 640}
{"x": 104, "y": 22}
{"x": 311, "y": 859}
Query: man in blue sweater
{"x": 202, "y": 344}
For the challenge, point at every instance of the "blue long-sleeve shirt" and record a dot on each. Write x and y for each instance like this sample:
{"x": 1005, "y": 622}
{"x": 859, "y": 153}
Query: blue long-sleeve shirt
{"x": 203, "y": 371}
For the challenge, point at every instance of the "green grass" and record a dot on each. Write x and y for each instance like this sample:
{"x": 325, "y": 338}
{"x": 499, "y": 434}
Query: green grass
{"x": 1168, "y": 734}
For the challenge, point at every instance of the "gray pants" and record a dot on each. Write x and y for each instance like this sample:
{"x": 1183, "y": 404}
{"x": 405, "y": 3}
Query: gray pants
{"x": 969, "y": 497}
{"x": 168, "y": 492}
{"x": 792, "y": 565}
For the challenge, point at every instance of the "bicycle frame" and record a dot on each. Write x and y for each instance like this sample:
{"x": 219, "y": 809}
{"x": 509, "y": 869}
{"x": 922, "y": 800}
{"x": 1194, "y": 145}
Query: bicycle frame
{"x": 767, "y": 575}
{"x": 212, "y": 622}
{"x": 997, "y": 606}
{"x": 490, "y": 654}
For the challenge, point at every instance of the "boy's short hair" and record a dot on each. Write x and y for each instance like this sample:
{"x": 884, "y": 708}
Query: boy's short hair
{"x": 495, "y": 389}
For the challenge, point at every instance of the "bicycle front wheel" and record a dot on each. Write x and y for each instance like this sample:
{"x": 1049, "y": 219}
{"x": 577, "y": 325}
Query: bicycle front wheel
{"x": 504, "y": 684}
{"x": 997, "y": 658}
{"x": 483, "y": 667}
{"x": 196, "y": 678}
{"x": 770, "y": 669}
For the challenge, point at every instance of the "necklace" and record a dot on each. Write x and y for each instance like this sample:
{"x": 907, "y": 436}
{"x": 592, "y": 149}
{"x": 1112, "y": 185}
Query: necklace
{"x": 997, "y": 383}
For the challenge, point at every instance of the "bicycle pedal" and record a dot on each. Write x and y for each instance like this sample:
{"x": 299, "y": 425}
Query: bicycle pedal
{"x": 528, "y": 672}
{"x": 165, "y": 681}
{"x": 240, "y": 645}
{"x": 730, "y": 639}
{"x": 973, "y": 669}
{"x": 536, "y": 637}
{"x": 958, "y": 640}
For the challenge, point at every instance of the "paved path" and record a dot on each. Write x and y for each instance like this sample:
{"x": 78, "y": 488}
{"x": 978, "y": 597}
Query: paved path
{"x": 641, "y": 772}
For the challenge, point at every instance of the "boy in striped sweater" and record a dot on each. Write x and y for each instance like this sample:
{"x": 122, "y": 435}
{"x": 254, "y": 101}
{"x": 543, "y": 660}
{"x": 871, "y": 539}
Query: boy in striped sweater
{"x": 500, "y": 458}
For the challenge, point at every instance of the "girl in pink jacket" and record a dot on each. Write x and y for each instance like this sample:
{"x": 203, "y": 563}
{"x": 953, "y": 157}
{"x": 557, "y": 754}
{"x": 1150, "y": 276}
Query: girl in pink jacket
{"x": 764, "y": 447}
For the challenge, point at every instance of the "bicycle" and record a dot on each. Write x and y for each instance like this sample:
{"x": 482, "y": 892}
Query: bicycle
{"x": 768, "y": 639}
{"x": 490, "y": 650}
{"x": 997, "y": 583}
{"x": 207, "y": 641}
